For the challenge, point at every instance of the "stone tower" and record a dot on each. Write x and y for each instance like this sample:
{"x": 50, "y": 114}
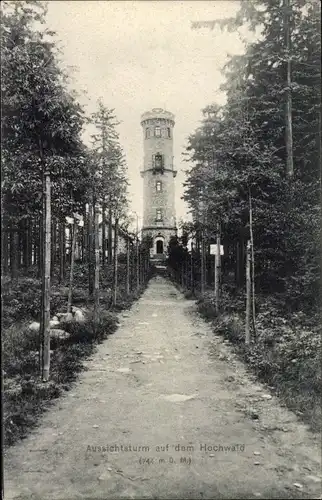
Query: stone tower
{"x": 159, "y": 218}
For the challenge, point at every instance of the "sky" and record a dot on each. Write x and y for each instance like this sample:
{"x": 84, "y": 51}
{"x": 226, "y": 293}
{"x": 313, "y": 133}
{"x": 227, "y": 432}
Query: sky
{"x": 139, "y": 55}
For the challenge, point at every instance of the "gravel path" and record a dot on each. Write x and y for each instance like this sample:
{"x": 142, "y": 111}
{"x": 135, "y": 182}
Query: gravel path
{"x": 181, "y": 413}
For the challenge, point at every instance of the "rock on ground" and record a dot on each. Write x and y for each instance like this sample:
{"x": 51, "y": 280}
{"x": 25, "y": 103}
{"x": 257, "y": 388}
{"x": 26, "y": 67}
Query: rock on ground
{"x": 34, "y": 326}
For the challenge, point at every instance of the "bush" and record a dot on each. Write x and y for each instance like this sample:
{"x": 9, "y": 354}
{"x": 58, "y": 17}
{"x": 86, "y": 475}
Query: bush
{"x": 189, "y": 295}
{"x": 22, "y": 300}
{"x": 20, "y": 350}
{"x": 206, "y": 306}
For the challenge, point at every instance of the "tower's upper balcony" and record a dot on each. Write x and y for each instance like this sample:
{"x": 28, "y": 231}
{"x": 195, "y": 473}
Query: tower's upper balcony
{"x": 157, "y": 114}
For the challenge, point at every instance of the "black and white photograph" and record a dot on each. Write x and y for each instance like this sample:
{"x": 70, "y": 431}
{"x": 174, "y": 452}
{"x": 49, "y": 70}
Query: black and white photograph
{"x": 161, "y": 249}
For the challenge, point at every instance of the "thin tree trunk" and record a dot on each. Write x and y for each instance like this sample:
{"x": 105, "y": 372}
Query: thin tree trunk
{"x": 115, "y": 263}
{"x": 320, "y": 163}
{"x": 84, "y": 235}
{"x": 90, "y": 250}
{"x": 288, "y": 106}
{"x": 141, "y": 260}
{"x": 14, "y": 247}
{"x": 24, "y": 243}
{"x": 72, "y": 265}
{"x": 34, "y": 245}
{"x": 41, "y": 245}
{"x": 319, "y": 139}
{"x": 29, "y": 244}
{"x": 42, "y": 275}
{"x": 46, "y": 281}
{"x": 61, "y": 252}
{"x": 53, "y": 246}
{"x": 103, "y": 235}
{"x": 248, "y": 295}
{"x": 217, "y": 271}
{"x": 191, "y": 270}
{"x": 252, "y": 263}
{"x": 37, "y": 241}
{"x": 5, "y": 255}
{"x": 237, "y": 266}
{"x": 242, "y": 260}
{"x": 202, "y": 264}
{"x": 182, "y": 273}
{"x": 97, "y": 264}
{"x": 110, "y": 237}
{"x": 128, "y": 271}
{"x": 205, "y": 261}
{"x": 137, "y": 264}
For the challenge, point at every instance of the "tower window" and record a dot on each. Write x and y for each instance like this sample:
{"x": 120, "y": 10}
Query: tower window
{"x": 147, "y": 133}
{"x": 158, "y": 161}
{"x": 157, "y": 132}
{"x": 159, "y": 214}
{"x": 169, "y": 132}
{"x": 158, "y": 186}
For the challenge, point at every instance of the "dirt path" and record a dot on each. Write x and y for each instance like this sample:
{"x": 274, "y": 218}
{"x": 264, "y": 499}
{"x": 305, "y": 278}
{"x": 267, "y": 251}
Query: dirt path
{"x": 165, "y": 380}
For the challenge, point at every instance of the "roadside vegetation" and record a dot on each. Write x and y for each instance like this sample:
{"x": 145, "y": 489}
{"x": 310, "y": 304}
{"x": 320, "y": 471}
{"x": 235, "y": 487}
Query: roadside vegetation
{"x": 69, "y": 258}
{"x": 25, "y": 396}
{"x": 254, "y": 191}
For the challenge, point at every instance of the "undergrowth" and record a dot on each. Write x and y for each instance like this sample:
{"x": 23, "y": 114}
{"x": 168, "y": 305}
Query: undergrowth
{"x": 286, "y": 353}
{"x": 25, "y": 397}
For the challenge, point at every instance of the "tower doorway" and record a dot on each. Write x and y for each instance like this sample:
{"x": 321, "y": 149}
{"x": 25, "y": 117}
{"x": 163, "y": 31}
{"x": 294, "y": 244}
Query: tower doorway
{"x": 159, "y": 246}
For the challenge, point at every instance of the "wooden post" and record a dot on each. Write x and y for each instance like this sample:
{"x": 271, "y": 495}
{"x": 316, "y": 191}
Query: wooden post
{"x": 128, "y": 266}
{"x": 46, "y": 281}
{"x": 248, "y": 294}
{"x": 96, "y": 264}
{"x": 72, "y": 263}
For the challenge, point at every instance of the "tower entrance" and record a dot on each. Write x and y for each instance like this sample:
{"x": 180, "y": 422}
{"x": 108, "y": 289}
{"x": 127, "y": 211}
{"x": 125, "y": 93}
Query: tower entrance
{"x": 159, "y": 247}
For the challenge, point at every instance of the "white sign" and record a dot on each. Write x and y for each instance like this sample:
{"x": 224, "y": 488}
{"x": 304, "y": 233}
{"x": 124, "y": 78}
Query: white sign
{"x": 213, "y": 250}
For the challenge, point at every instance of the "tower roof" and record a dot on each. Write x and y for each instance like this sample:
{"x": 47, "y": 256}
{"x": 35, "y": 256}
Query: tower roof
{"x": 157, "y": 113}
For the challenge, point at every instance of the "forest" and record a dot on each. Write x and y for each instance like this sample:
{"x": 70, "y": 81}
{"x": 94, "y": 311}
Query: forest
{"x": 65, "y": 214}
{"x": 254, "y": 193}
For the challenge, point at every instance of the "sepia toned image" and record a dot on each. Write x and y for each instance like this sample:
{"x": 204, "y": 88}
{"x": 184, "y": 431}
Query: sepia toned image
{"x": 161, "y": 249}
